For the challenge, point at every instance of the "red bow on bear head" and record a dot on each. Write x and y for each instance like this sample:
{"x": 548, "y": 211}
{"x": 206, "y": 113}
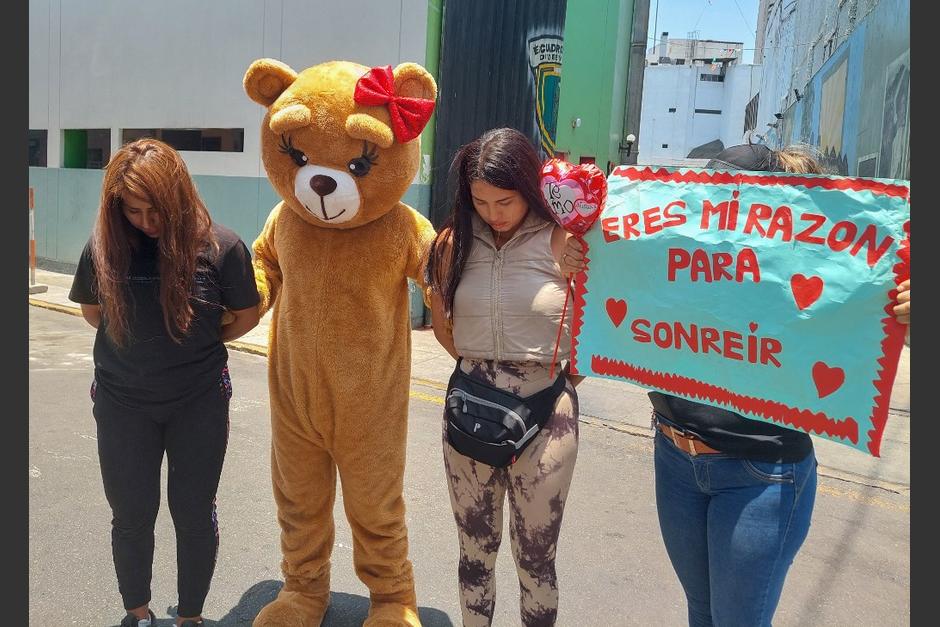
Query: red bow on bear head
{"x": 409, "y": 115}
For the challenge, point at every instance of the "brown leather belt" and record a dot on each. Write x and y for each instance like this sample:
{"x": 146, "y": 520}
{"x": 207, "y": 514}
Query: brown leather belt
{"x": 688, "y": 443}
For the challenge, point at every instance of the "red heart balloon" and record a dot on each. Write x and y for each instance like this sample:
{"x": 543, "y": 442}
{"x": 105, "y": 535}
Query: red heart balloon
{"x": 574, "y": 193}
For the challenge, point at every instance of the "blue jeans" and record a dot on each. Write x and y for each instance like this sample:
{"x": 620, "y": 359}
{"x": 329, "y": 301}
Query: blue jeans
{"x": 731, "y": 527}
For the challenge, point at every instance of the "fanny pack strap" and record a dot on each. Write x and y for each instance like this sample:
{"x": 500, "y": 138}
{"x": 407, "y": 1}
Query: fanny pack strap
{"x": 539, "y": 403}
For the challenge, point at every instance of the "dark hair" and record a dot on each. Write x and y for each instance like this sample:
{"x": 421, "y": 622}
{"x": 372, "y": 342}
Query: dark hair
{"x": 796, "y": 159}
{"x": 153, "y": 171}
{"x": 502, "y": 157}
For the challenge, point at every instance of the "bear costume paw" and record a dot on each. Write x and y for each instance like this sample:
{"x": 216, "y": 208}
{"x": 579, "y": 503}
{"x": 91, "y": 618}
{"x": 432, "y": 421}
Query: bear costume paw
{"x": 391, "y": 615}
{"x": 293, "y": 609}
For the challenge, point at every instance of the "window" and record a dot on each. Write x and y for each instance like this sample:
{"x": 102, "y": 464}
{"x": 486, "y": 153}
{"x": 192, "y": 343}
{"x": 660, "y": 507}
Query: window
{"x": 750, "y": 113}
{"x": 713, "y": 78}
{"x": 665, "y": 145}
{"x": 88, "y": 148}
{"x": 672, "y": 109}
{"x": 194, "y": 139}
{"x": 680, "y": 61}
{"x": 38, "y": 138}
{"x": 712, "y": 111}
{"x": 868, "y": 165}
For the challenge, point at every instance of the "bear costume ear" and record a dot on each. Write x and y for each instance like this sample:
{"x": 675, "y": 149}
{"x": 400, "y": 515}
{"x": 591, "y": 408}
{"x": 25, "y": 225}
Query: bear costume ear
{"x": 289, "y": 118}
{"x": 413, "y": 81}
{"x": 266, "y": 79}
{"x": 367, "y": 128}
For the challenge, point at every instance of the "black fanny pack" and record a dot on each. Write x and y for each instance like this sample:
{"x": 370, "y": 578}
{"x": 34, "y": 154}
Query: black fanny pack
{"x": 494, "y": 426}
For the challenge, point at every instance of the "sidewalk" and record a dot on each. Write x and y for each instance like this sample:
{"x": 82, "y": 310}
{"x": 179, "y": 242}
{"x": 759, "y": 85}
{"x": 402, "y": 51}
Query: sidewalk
{"x": 617, "y": 405}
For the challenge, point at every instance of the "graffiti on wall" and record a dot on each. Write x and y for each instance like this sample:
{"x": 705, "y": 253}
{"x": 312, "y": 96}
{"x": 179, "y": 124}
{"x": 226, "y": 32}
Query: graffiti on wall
{"x": 545, "y": 52}
{"x": 831, "y": 118}
{"x": 895, "y": 133}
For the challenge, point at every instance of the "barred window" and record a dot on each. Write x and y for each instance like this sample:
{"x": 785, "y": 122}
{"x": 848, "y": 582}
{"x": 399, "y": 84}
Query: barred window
{"x": 750, "y": 113}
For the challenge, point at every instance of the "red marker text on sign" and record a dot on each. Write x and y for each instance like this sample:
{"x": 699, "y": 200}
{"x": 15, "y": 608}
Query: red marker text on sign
{"x": 764, "y": 221}
{"x": 727, "y": 343}
{"x": 647, "y": 222}
{"x": 727, "y": 212}
{"x": 713, "y": 267}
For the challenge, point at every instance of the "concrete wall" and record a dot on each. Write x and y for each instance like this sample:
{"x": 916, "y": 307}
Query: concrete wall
{"x": 741, "y": 83}
{"x": 179, "y": 64}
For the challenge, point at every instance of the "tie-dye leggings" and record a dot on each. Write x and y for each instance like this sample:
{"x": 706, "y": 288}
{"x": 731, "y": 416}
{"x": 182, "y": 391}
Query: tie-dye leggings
{"x": 537, "y": 485}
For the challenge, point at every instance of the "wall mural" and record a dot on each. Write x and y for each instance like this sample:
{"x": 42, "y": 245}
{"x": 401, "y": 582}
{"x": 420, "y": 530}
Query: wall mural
{"x": 831, "y": 114}
{"x": 895, "y": 134}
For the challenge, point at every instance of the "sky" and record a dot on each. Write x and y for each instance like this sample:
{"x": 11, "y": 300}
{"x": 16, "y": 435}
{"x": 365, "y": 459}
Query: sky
{"x": 731, "y": 20}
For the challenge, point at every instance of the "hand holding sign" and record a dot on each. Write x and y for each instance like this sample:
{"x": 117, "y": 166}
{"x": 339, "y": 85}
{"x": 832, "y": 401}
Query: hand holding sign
{"x": 576, "y": 196}
{"x": 766, "y": 294}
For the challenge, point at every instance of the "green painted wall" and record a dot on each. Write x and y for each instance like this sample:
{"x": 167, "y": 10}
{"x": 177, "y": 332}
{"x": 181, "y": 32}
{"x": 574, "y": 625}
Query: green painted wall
{"x": 432, "y": 63}
{"x": 74, "y": 148}
{"x": 66, "y": 202}
{"x": 594, "y": 79}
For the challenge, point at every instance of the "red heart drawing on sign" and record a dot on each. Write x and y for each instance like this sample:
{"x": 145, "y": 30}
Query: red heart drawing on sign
{"x": 617, "y": 310}
{"x": 827, "y": 379}
{"x": 806, "y": 290}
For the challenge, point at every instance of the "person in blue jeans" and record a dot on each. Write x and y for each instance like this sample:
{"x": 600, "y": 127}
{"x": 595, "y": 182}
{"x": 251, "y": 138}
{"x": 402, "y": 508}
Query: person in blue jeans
{"x": 734, "y": 496}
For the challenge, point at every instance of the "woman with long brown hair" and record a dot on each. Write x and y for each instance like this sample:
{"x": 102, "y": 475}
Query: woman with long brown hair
{"x": 154, "y": 279}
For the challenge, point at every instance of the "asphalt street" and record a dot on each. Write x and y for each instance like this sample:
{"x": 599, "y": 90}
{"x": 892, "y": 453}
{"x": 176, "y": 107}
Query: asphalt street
{"x": 612, "y": 566}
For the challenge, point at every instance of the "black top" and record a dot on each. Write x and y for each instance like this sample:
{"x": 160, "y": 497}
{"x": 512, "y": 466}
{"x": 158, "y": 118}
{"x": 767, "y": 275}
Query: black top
{"x": 152, "y": 370}
{"x": 732, "y": 433}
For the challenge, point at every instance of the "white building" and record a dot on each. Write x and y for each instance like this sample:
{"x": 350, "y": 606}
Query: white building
{"x": 102, "y": 75}
{"x": 693, "y": 51}
{"x": 690, "y": 113}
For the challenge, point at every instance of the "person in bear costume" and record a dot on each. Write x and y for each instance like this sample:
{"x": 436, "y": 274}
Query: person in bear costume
{"x": 340, "y": 146}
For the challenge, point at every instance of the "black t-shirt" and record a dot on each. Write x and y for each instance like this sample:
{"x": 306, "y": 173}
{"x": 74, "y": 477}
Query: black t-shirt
{"x": 732, "y": 433}
{"x": 152, "y": 370}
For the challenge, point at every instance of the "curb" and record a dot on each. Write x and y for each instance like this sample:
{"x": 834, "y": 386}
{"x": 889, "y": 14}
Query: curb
{"x": 258, "y": 349}
{"x": 243, "y": 347}
{"x": 72, "y": 311}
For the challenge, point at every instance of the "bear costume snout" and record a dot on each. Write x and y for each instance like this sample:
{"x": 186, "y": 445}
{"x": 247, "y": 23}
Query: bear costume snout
{"x": 328, "y": 194}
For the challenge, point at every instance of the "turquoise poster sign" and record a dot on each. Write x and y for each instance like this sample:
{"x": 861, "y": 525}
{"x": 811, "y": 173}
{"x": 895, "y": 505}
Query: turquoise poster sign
{"x": 765, "y": 294}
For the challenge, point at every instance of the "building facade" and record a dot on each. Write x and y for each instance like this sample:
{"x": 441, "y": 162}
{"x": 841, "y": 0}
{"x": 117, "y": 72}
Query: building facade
{"x": 691, "y": 50}
{"x": 106, "y": 72}
{"x": 836, "y": 75}
{"x": 173, "y": 70}
{"x": 694, "y": 104}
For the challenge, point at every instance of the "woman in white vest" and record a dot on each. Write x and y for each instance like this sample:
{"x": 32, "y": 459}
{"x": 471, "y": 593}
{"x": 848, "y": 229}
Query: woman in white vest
{"x": 497, "y": 293}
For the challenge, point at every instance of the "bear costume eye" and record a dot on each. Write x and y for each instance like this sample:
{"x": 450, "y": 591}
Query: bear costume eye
{"x": 361, "y": 165}
{"x": 287, "y": 147}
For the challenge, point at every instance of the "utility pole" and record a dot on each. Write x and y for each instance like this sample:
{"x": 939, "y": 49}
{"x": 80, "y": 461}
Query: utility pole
{"x": 631, "y": 112}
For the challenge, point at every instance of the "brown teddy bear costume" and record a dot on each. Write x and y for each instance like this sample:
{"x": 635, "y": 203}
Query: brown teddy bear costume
{"x": 339, "y": 144}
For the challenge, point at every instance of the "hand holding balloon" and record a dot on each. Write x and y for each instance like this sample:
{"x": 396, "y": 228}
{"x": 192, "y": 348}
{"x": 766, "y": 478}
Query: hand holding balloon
{"x": 576, "y": 196}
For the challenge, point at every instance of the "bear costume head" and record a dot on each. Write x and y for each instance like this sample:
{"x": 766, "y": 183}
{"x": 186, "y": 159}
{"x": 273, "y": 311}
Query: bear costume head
{"x": 327, "y": 128}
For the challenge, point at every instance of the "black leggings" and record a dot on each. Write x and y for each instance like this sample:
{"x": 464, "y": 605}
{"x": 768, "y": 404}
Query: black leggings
{"x": 131, "y": 444}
